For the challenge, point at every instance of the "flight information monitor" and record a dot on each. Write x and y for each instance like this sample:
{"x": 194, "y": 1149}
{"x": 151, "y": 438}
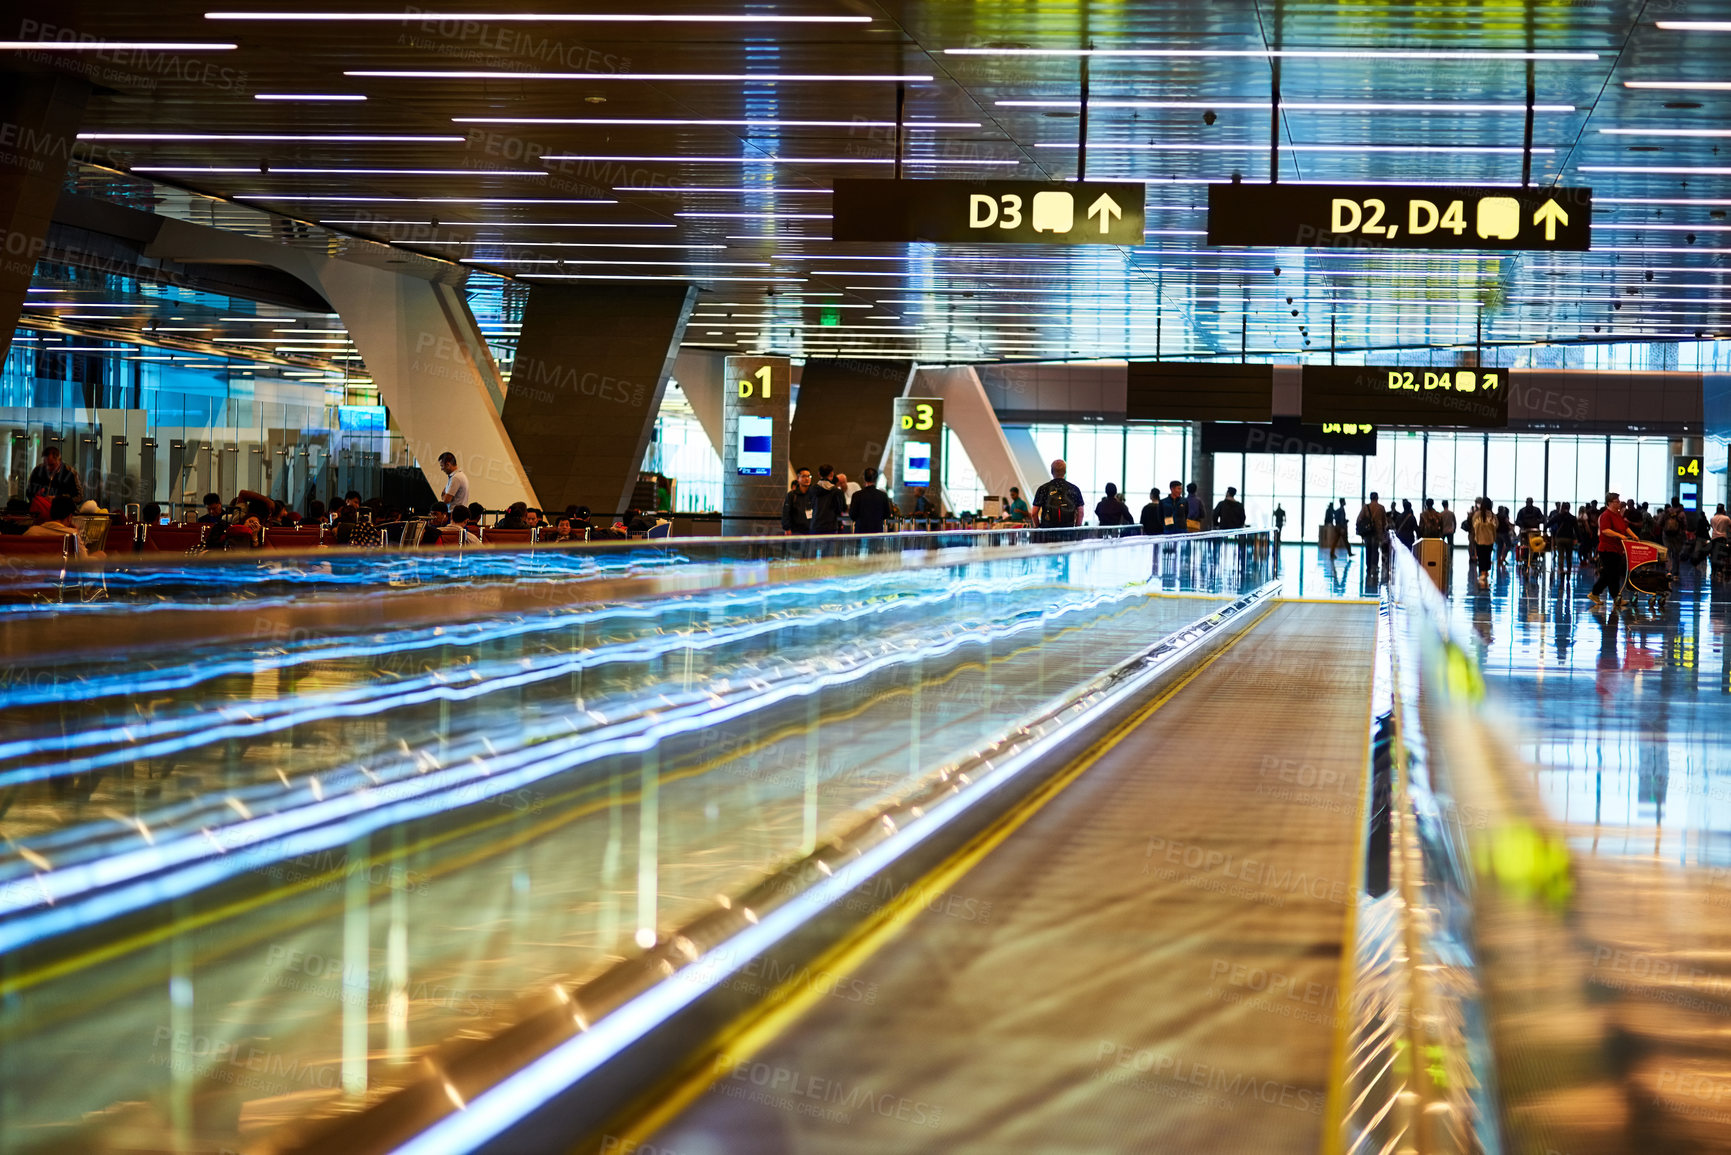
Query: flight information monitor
{"x": 918, "y": 456}
{"x": 1418, "y": 398}
{"x": 756, "y": 445}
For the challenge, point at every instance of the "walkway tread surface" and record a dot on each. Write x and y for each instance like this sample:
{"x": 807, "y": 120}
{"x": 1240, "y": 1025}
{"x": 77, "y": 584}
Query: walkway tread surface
{"x": 1149, "y": 964}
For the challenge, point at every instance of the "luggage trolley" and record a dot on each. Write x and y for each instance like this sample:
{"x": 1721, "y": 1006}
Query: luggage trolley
{"x": 1648, "y": 576}
{"x": 1530, "y": 548}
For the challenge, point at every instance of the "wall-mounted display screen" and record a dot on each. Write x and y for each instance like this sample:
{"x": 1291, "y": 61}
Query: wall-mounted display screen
{"x": 918, "y": 467}
{"x": 756, "y": 445}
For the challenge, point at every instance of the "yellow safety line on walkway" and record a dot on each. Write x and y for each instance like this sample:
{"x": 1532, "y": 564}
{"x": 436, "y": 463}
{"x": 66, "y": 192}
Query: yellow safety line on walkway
{"x": 745, "y": 1036}
{"x": 1334, "y": 1109}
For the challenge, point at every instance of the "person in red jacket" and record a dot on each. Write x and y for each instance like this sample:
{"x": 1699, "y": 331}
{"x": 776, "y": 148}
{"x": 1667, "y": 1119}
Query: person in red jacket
{"x": 1613, "y": 562}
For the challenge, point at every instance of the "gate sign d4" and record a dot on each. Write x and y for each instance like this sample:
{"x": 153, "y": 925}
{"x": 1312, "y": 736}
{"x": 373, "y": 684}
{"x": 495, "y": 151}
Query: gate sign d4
{"x": 1401, "y": 217}
{"x": 975, "y": 212}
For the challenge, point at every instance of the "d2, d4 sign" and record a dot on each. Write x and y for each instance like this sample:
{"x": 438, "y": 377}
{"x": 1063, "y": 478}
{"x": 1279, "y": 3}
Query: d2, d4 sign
{"x": 1401, "y": 217}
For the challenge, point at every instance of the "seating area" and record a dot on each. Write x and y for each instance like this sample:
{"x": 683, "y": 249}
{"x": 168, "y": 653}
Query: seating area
{"x": 136, "y": 537}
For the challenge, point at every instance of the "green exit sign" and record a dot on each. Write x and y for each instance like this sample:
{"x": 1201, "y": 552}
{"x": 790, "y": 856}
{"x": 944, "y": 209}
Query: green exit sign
{"x": 830, "y": 316}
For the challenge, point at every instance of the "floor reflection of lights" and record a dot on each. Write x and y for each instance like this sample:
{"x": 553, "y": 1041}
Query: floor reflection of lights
{"x": 1627, "y": 716}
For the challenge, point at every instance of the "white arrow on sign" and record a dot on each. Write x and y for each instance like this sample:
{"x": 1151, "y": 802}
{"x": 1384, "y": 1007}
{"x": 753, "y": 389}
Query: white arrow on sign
{"x": 1106, "y": 208}
{"x": 1550, "y": 214}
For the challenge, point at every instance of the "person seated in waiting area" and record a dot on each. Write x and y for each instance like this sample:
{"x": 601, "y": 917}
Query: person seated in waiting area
{"x": 58, "y": 523}
{"x": 516, "y": 516}
{"x": 438, "y": 518}
{"x": 562, "y": 531}
{"x": 17, "y": 517}
{"x": 212, "y": 510}
{"x": 461, "y": 531}
{"x": 532, "y": 518}
{"x": 151, "y": 514}
{"x": 348, "y": 525}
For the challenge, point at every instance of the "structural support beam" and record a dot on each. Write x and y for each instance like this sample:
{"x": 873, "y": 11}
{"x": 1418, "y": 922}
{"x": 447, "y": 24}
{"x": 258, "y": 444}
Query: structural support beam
{"x": 417, "y": 339}
{"x": 40, "y": 114}
{"x": 845, "y": 406}
{"x": 592, "y": 364}
{"x": 969, "y": 415}
{"x": 702, "y": 375}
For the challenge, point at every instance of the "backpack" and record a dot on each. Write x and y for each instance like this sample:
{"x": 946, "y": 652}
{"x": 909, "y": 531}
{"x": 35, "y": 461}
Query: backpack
{"x": 1366, "y": 524}
{"x": 1430, "y": 523}
{"x": 1059, "y": 509}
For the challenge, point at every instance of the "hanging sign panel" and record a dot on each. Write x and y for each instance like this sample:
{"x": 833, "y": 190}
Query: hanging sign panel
{"x": 1289, "y": 435}
{"x": 1401, "y": 217}
{"x": 1418, "y": 398}
{"x": 973, "y": 212}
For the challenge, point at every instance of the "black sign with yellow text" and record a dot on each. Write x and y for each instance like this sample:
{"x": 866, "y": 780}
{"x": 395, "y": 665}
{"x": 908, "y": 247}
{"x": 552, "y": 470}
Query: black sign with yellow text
{"x": 1419, "y": 398}
{"x": 1487, "y": 218}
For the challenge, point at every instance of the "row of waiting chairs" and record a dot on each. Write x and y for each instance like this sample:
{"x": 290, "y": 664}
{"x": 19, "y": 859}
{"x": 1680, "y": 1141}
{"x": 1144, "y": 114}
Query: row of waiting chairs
{"x": 134, "y": 537}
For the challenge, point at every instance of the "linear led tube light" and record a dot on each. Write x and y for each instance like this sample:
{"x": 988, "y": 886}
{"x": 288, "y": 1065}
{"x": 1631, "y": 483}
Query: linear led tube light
{"x": 1704, "y": 170}
{"x": 307, "y": 96}
{"x": 1290, "y": 105}
{"x": 1695, "y": 25}
{"x": 405, "y": 17}
{"x": 113, "y": 46}
{"x": 568, "y": 245}
{"x": 765, "y": 190}
{"x": 728, "y": 77}
{"x": 423, "y": 200}
{"x": 256, "y": 170}
{"x": 906, "y": 161}
{"x": 509, "y": 224}
{"x": 764, "y": 216}
{"x": 765, "y": 123}
{"x": 1416, "y": 149}
{"x": 1681, "y": 85}
{"x": 343, "y": 138}
{"x": 700, "y": 261}
{"x": 1287, "y": 53}
{"x": 656, "y": 277}
{"x": 1665, "y": 131}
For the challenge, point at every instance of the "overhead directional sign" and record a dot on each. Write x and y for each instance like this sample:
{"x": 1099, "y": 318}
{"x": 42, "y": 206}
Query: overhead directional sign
{"x": 1420, "y": 398}
{"x": 972, "y": 212}
{"x": 1191, "y": 391}
{"x": 1400, "y": 217}
{"x": 1288, "y": 435}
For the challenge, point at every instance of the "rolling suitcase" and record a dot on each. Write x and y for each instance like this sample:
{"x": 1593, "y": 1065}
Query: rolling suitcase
{"x": 1433, "y": 555}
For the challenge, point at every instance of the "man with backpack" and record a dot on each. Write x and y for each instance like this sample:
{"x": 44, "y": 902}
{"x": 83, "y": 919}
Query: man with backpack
{"x": 1430, "y": 522}
{"x": 1058, "y": 504}
{"x": 1372, "y": 529}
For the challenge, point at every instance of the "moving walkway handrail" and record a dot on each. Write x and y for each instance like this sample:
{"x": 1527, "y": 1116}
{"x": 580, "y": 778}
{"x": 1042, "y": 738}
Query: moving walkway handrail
{"x": 1470, "y": 843}
{"x": 610, "y": 1035}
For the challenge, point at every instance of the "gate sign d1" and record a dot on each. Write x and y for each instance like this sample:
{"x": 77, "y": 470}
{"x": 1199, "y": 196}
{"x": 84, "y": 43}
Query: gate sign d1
{"x": 973, "y": 212}
{"x": 1401, "y": 217}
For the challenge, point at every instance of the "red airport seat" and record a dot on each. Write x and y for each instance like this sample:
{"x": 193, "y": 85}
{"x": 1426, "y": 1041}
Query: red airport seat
{"x": 17, "y": 545}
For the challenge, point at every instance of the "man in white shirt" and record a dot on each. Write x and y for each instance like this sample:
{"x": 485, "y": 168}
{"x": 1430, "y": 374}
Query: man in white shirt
{"x": 457, "y": 487}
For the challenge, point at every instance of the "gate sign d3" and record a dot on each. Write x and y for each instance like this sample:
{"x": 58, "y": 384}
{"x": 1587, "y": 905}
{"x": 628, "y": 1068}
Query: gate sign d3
{"x": 1401, "y": 217}
{"x": 973, "y": 212}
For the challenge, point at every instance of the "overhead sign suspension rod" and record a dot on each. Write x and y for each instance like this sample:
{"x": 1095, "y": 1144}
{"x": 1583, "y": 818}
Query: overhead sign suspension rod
{"x": 1082, "y": 125}
{"x": 1527, "y": 149}
{"x": 901, "y": 104}
{"x": 1274, "y": 127}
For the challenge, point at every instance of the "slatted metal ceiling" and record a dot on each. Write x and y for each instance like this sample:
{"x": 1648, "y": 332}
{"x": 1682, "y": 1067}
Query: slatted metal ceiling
{"x": 775, "y": 266}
